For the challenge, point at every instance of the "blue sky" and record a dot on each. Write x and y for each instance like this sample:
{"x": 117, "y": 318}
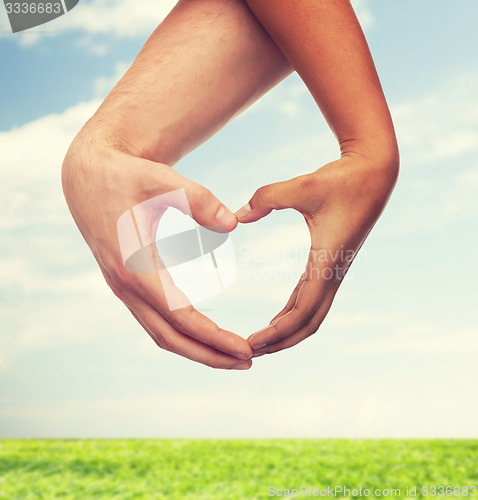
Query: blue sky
{"x": 396, "y": 355}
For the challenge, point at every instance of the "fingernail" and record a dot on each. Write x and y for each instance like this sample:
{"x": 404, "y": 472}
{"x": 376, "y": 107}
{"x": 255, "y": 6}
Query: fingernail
{"x": 242, "y": 355}
{"x": 225, "y": 216}
{"x": 258, "y": 346}
{"x": 242, "y": 366}
{"x": 259, "y": 354}
{"x": 243, "y": 212}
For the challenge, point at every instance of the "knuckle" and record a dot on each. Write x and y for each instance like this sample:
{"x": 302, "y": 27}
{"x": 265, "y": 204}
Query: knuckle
{"x": 118, "y": 290}
{"x": 309, "y": 183}
{"x": 179, "y": 319}
{"x": 176, "y": 322}
{"x": 311, "y": 330}
{"x": 305, "y": 317}
{"x": 204, "y": 197}
{"x": 263, "y": 195}
{"x": 315, "y": 325}
{"x": 122, "y": 277}
{"x": 116, "y": 285}
{"x": 309, "y": 317}
{"x": 163, "y": 341}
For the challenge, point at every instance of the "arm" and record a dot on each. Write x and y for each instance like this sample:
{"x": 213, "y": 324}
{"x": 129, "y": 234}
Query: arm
{"x": 326, "y": 46}
{"x": 342, "y": 200}
{"x": 205, "y": 63}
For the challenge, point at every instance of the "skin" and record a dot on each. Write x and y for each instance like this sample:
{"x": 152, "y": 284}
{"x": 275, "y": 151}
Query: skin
{"x": 342, "y": 200}
{"x": 208, "y": 61}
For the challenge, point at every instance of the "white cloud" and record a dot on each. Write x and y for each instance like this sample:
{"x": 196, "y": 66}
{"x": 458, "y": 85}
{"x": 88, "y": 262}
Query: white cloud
{"x": 123, "y": 19}
{"x": 114, "y": 18}
{"x": 104, "y": 84}
{"x": 35, "y": 150}
{"x": 5, "y": 28}
{"x": 40, "y": 261}
{"x": 438, "y": 138}
{"x": 34, "y": 153}
{"x": 55, "y": 295}
{"x": 453, "y": 144}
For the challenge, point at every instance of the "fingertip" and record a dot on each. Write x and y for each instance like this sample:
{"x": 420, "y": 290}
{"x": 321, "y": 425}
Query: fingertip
{"x": 243, "y": 355}
{"x": 233, "y": 225}
{"x": 257, "y": 343}
{"x": 226, "y": 219}
{"x": 243, "y": 365}
{"x": 258, "y": 346}
{"x": 243, "y": 213}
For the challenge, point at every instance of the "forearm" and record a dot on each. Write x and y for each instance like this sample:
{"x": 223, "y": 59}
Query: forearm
{"x": 324, "y": 43}
{"x": 203, "y": 65}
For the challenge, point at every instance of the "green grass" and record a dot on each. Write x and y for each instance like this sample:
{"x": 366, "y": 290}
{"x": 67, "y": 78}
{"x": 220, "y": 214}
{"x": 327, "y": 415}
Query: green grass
{"x": 226, "y": 469}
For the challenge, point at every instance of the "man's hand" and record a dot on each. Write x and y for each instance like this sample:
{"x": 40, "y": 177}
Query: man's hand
{"x": 340, "y": 203}
{"x": 99, "y": 185}
{"x": 205, "y": 63}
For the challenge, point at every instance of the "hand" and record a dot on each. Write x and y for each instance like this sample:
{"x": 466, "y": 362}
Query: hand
{"x": 203, "y": 65}
{"x": 340, "y": 203}
{"x": 100, "y": 183}
{"x": 325, "y": 44}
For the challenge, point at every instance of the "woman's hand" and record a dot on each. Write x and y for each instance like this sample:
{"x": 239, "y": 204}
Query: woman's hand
{"x": 340, "y": 203}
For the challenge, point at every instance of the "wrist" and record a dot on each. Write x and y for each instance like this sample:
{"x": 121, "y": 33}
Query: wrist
{"x": 380, "y": 156}
{"x": 130, "y": 133}
{"x": 105, "y": 130}
{"x": 372, "y": 171}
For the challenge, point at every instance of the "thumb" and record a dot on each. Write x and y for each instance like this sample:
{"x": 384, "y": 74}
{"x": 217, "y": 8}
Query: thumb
{"x": 164, "y": 187}
{"x": 208, "y": 211}
{"x": 275, "y": 196}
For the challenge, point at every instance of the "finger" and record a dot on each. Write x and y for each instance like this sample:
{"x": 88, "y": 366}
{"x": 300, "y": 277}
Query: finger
{"x": 311, "y": 293}
{"x": 302, "y": 333}
{"x": 276, "y": 196}
{"x": 290, "y": 302}
{"x": 187, "y": 320}
{"x": 166, "y": 187}
{"x": 208, "y": 211}
{"x": 166, "y": 337}
{"x": 145, "y": 273}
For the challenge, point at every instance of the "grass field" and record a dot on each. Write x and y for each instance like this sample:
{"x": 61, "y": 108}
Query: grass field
{"x": 229, "y": 469}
